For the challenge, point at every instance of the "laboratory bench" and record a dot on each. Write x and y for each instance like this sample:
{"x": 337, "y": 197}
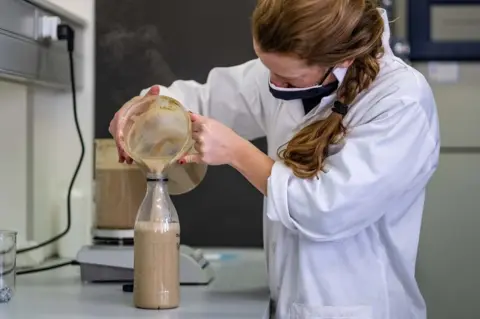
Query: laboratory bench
{"x": 239, "y": 290}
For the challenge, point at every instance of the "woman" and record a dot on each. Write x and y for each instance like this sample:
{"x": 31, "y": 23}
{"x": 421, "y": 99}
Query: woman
{"x": 356, "y": 131}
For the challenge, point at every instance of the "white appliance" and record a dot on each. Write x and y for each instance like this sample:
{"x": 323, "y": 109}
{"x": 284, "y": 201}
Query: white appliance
{"x": 108, "y": 263}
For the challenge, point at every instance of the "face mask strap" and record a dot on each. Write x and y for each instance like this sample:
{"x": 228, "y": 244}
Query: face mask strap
{"x": 330, "y": 70}
{"x": 338, "y": 107}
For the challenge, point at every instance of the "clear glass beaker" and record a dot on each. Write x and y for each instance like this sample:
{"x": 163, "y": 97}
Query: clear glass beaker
{"x": 8, "y": 255}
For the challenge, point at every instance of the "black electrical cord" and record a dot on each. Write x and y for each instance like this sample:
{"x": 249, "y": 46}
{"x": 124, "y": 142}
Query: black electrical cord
{"x": 40, "y": 269}
{"x": 65, "y": 32}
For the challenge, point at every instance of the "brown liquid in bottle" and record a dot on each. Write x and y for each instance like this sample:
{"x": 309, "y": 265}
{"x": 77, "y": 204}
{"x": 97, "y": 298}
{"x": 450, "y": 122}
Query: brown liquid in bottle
{"x": 156, "y": 265}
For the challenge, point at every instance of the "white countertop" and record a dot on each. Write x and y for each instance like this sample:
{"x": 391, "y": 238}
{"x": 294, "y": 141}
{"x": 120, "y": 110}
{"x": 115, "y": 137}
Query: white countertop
{"x": 239, "y": 291}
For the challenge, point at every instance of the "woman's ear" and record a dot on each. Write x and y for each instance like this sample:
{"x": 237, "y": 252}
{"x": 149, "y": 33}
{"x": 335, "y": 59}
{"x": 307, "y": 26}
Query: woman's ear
{"x": 345, "y": 64}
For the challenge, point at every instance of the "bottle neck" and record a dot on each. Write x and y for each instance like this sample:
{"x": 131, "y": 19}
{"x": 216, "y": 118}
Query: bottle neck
{"x": 159, "y": 206}
{"x": 155, "y": 177}
{"x": 158, "y": 183}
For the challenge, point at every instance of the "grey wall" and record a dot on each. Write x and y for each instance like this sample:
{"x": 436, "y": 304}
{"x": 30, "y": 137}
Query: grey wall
{"x": 448, "y": 265}
{"x": 144, "y": 42}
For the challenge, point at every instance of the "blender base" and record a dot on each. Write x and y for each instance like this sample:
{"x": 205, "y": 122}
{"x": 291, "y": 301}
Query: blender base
{"x": 106, "y": 263}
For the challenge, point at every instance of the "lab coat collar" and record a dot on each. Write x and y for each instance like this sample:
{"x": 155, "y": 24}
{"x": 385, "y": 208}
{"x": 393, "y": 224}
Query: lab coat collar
{"x": 340, "y": 74}
{"x": 386, "y": 32}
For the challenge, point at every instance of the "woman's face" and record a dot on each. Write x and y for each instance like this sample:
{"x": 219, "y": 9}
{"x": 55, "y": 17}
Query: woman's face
{"x": 288, "y": 71}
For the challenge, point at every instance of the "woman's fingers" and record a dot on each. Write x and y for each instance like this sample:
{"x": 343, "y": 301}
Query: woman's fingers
{"x": 198, "y": 147}
{"x": 154, "y": 90}
{"x": 194, "y": 117}
{"x": 121, "y": 158}
{"x": 197, "y": 126}
{"x": 197, "y": 136}
{"x": 117, "y": 124}
{"x": 192, "y": 158}
{"x": 129, "y": 160}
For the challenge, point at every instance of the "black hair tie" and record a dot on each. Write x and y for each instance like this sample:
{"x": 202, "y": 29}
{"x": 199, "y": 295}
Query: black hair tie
{"x": 340, "y": 108}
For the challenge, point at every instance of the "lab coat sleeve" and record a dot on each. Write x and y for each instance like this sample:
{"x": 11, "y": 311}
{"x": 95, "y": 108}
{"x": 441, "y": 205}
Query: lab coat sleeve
{"x": 379, "y": 161}
{"x": 230, "y": 95}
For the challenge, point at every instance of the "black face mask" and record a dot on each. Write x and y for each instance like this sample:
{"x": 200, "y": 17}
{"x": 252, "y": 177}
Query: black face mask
{"x": 289, "y": 94}
{"x": 310, "y": 97}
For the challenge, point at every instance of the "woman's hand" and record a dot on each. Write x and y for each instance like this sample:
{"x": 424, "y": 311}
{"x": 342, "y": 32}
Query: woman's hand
{"x": 117, "y": 123}
{"x": 215, "y": 143}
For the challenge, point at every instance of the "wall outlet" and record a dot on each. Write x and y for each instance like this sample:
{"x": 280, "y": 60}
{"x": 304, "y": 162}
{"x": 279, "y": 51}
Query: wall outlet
{"x": 48, "y": 28}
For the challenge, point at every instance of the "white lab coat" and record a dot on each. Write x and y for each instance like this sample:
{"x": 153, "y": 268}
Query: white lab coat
{"x": 343, "y": 245}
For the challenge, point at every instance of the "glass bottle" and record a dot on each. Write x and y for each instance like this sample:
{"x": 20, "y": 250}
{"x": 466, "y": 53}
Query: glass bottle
{"x": 156, "y": 249}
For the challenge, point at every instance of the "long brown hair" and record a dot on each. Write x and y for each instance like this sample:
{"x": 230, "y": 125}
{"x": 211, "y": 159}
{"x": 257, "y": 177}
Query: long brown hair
{"x": 325, "y": 33}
